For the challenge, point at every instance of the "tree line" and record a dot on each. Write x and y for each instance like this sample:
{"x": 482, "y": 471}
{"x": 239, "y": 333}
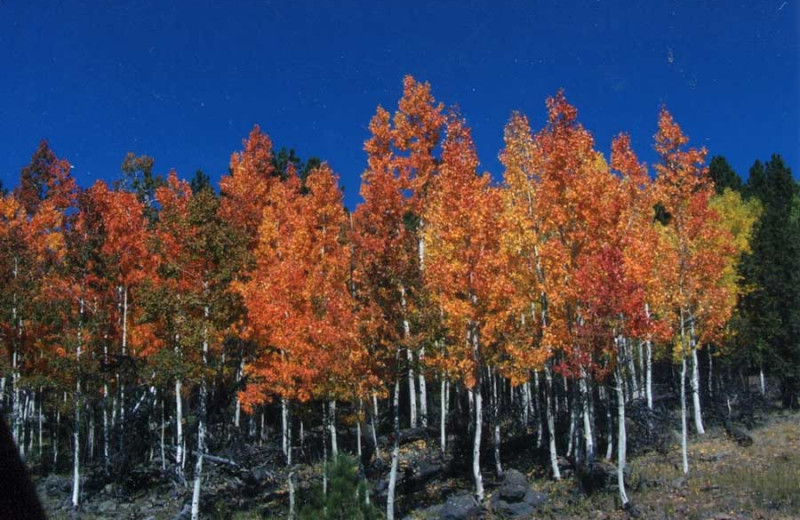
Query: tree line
{"x": 197, "y": 315}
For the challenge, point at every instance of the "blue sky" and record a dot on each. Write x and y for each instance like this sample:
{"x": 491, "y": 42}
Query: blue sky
{"x": 185, "y": 81}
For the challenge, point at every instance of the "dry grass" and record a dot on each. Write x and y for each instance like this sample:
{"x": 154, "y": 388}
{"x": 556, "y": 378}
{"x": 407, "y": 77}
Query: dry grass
{"x": 725, "y": 481}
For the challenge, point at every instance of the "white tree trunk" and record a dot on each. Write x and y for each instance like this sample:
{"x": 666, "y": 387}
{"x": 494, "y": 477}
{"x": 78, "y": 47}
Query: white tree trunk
{"x": 606, "y": 395}
{"x": 15, "y": 376}
{"x": 373, "y": 418}
{"x": 629, "y": 355}
{"x": 324, "y": 451}
{"x": 395, "y": 451}
{"x": 332, "y": 426}
{"x": 761, "y": 379}
{"x": 587, "y": 419}
{"x": 621, "y": 441}
{"x": 106, "y": 460}
{"x": 649, "y": 368}
{"x": 289, "y": 465}
{"x": 76, "y": 450}
{"x": 412, "y": 387}
{"x": 443, "y": 415}
{"x": 263, "y": 431}
{"x": 642, "y": 377}
{"x": 237, "y": 414}
{"x": 178, "y": 425}
{"x": 423, "y": 392}
{"x": 201, "y": 425}
{"x": 412, "y": 392}
{"x": 163, "y": 432}
{"x": 551, "y": 429}
{"x": 358, "y": 429}
{"x": 496, "y": 420}
{"x": 124, "y": 352}
{"x": 41, "y": 420}
{"x": 16, "y": 407}
{"x": 284, "y": 428}
{"x": 538, "y": 410}
{"x": 684, "y": 425}
{"x": 572, "y": 420}
{"x": 698, "y": 416}
{"x": 476, "y": 445}
{"x": 90, "y": 441}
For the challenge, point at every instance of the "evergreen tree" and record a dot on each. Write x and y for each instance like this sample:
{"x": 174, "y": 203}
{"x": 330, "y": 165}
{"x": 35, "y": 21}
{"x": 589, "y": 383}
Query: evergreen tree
{"x": 344, "y": 499}
{"x": 723, "y": 175}
{"x": 772, "y": 308}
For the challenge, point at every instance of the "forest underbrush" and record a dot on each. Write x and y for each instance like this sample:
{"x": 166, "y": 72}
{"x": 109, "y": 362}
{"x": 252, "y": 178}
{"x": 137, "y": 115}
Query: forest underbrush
{"x": 726, "y": 481}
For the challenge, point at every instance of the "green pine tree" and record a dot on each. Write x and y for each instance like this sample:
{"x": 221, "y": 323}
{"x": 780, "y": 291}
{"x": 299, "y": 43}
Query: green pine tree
{"x": 771, "y": 309}
{"x": 345, "y": 497}
{"x": 723, "y": 175}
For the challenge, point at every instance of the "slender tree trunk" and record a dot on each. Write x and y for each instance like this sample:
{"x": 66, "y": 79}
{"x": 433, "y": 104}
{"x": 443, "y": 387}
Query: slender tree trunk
{"x": 17, "y": 409}
{"x": 538, "y": 410}
{"x": 178, "y": 425}
{"x": 443, "y": 415}
{"x": 30, "y": 401}
{"x": 698, "y": 416}
{"x": 622, "y": 440}
{"x": 76, "y": 450}
{"x": 39, "y": 416}
{"x": 496, "y": 421}
{"x": 572, "y": 420}
{"x": 606, "y": 395}
{"x": 373, "y": 418}
{"x": 90, "y": 441}
{"x": 649, "y": 364}
{"x": 684, "y": 425}
{"x": 290, "y": 477}
{"x": 56, "y": 437}
{"x": 285, "y": 427}
{"x": 629, "y": 355}
{"x": 412, "y": 391}
{"x": 761, "y": 379}
{"x": 106, "y": 461}
{"x": 587, "y": 419}
{"x": 238, "y": 410}
{"x": 423, "y": 392}
{"x": 263, "y": 431}
{"x": 358, "y": 429}
{"x": 332, "y": 426}
{"x": 124, "y": 353}
{"x": 642, "y": 377}
{"x": 710, "y": 371}
{"x": 395, "y": 450}
{"x": 476, "y": 445}
{"x": 201, "y": 425}
{"x": 163, "y": 430}
{"x": 551, "y": 429}
{"x": 15, "y": 361}
{"x": 649, "y": 378}
{"x": 324, "y": 451}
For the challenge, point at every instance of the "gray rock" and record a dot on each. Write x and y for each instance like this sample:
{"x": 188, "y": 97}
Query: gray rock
{"x": 519, "y": 510}
{"x": 106, "y": 506}
{"x": 56, "y": 485}
{"x": 535, "y": 498}
{"x": 461, "y": 507}
{"x": 514, "y": 486}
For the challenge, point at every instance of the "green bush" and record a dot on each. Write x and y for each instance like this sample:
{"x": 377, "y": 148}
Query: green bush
{"x": 345, "y": 497}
